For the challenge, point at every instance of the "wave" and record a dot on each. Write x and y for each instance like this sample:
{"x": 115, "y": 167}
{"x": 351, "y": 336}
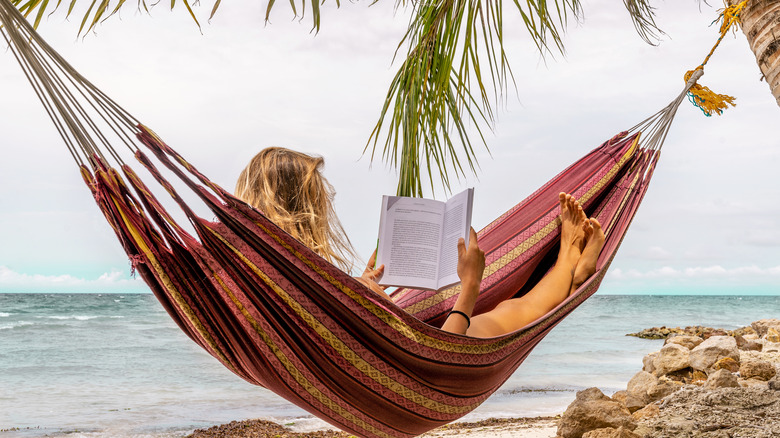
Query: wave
{"x": 533, "y": 390}
{"x": 14, "y": 325}
{"x": 76, "y": 317}
{"x": 5, "y": 314}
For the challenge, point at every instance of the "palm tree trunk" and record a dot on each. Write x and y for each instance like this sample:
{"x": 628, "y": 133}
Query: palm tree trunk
{"x": 761, "y": 24}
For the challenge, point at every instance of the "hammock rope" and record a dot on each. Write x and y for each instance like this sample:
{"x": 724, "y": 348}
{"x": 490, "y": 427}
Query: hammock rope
{"x": 278, "y": 315}
{"x": 706, "y": 100}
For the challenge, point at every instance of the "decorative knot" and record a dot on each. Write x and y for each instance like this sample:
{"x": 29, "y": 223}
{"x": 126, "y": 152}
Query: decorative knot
{"x": 705, "y": 99}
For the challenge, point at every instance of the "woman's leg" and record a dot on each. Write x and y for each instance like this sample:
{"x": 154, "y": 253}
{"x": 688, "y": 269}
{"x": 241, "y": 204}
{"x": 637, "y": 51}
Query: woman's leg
{"x": 551, "y": 290}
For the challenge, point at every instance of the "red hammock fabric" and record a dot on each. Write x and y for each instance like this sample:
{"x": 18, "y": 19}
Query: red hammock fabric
{"x": 279, "y": 316}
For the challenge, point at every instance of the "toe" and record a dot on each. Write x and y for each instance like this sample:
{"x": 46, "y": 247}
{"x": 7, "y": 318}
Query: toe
{"x": 587, "y": 228}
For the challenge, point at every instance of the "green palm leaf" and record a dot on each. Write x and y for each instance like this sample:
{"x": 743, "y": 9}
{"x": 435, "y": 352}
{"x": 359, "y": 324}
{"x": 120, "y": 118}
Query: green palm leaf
{"x": 445, "y": 90}
{"x": 455, "y": 72}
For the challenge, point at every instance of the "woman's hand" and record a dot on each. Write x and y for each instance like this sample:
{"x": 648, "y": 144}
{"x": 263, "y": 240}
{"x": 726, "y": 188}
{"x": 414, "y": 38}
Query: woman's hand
{"x": 471, "y": 266}
{"x": 471, "y": 261}
{"x": 371, "y": 275}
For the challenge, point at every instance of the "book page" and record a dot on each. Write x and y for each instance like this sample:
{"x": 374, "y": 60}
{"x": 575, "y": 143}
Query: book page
{"x": 409, "y": 241}
{"x": 457, "y": 221}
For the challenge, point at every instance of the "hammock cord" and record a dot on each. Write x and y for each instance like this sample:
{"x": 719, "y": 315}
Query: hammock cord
{"x": 64, "y": 100}
{"x": 655, "y": 128}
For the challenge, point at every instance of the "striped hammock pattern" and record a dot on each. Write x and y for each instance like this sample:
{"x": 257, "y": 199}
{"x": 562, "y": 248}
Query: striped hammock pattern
{"x": 278, "y": 315}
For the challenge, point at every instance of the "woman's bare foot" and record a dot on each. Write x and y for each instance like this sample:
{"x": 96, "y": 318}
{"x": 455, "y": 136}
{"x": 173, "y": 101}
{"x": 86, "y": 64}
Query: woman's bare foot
{"x": 572, "y": 230}
{"x": 594, "y": 241}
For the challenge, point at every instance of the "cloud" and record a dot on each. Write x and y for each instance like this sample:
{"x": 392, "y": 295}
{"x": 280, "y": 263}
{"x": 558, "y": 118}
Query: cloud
{"x": 114, "y": 281}
{"x": 703, "y": 272}
{"x": 658, "y": 253}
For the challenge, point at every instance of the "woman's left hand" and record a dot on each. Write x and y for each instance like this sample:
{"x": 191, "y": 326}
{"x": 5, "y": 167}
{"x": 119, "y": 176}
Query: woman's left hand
{"x": 372, "y": 274}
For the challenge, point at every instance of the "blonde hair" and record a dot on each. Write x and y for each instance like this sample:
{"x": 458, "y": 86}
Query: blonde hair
{"x": 289, "y": 189}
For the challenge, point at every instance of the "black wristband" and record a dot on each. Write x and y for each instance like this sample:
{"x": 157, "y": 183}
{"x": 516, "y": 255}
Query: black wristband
{"x": 468, "y": 320}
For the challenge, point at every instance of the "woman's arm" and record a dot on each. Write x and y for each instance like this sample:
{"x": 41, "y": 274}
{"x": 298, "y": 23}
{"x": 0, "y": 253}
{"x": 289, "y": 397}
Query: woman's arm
{"x": 471, "y": 266}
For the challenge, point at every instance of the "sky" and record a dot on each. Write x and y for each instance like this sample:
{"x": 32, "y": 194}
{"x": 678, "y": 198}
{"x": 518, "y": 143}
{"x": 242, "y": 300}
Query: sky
{"x": 710, "y": 223}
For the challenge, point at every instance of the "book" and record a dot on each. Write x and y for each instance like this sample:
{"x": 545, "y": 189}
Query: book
{"x": 418, "y": 240}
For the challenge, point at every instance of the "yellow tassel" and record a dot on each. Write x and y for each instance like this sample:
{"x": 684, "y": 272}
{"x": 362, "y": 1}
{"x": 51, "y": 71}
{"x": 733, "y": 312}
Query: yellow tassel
{"x": 701, "y": 96}
{"x": 706, "y": 99}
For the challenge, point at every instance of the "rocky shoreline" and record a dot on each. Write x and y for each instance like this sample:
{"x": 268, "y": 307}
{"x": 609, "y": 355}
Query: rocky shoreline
{"x": 704, "y": 382}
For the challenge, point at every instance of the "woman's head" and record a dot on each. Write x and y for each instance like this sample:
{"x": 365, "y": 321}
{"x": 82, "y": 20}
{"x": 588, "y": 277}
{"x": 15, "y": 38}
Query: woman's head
{"x": 288, "y": 187}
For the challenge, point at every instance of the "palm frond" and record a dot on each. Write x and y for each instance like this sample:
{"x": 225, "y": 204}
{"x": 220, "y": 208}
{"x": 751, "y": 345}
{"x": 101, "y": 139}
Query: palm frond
{"x": 455, "y": 72}
{"x": 643, "y": 16}
{"x": 98, "y": 10}
{"x": 443, "y": 87}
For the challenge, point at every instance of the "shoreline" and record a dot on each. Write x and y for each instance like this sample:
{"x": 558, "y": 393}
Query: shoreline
{"x": 99, "y": 395}
{"x": 517, "y": 427}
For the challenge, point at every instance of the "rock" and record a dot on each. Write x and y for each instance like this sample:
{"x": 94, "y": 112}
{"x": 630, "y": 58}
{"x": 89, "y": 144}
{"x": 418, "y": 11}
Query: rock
{"x": 638, "y": 388}
{"x": 751, "y": 346}
{"x": 771, "y": 347}
{"x": 753, "y": 383}
{"x": 745, "y": 332}
{"x": 684, "y": 375}
{"x": 662, "y": 388}
{"x": 654, "y": 333}
{"x": 687, "y": 341}
{"x": 634, "y": 403}
{"x": 728, "y": 364}
{"x": 620, "y": 396}
{"x": 714, "y": 413}
{"x": 772, "y": 335}
{"x": 611, "y": 432}
{"x": 751, "y": 337}
{"x": 722, "y": 379}
{"x": 762, "y": 326}
{"x": 649, "y": 411}
{"x": 672, "y": 357}
{"x": 714, "y": 332}
{"x": 774, "y": 383}
{"x": 591, "y": 410}
{"x": 704, "y": 356}
{"x": 698, "y": 377}
{"x": 759, "y": 369}
{"x": 647, "y": 362}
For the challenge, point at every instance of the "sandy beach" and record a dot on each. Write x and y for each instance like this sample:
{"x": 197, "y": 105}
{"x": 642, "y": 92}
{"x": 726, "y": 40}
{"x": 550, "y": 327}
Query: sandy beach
{"x": 535, "y": 427}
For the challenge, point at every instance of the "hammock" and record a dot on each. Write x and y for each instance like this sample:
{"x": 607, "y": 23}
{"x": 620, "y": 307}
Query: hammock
{"x": 278, "y": 315}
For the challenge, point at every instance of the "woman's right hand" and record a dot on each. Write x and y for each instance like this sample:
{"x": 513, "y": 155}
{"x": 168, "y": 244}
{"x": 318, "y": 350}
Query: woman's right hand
{"x": 471, "y": 266}
{"x": 471, "y": 261}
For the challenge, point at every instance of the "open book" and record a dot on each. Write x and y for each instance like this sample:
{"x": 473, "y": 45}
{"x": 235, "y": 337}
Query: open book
{"x": 418, "y": 240}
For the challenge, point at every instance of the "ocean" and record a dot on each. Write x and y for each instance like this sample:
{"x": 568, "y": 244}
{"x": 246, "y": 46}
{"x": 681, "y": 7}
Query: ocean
{"x": 109, "y": 365}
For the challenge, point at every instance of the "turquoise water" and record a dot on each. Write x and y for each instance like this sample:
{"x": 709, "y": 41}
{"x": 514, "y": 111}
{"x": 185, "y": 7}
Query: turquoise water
{"x": 87, "y": 365}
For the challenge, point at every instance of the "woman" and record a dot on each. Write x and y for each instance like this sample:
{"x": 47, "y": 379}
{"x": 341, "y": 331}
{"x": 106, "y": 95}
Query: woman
{"x": 288, "y": 187}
